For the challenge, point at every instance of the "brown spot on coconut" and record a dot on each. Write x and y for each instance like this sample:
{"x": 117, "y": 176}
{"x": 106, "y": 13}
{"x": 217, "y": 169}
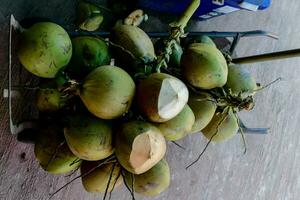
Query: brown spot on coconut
{"x": 139, "y": 146}
{"x": 223, "y": 126}
{"x": 203, "y": 108}
{"x": 88, "y": 137}
{"x": 97, "y": 179}
{"x": 179, "y": 126}
{"x": 161, "y": 97}
{"x": 204, "y": 66}
{"x": 107, "y": 92}
{"x": 152, "y": 182}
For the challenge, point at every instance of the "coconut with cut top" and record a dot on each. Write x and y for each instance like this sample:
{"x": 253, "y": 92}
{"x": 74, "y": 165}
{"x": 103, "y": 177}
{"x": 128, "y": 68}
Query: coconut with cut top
{"x": 161, "y": 97}
{"x": 139, "y": 146}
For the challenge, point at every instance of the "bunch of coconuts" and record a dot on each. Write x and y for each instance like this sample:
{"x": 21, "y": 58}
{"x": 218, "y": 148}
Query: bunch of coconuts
{"x": 113, "y": 120}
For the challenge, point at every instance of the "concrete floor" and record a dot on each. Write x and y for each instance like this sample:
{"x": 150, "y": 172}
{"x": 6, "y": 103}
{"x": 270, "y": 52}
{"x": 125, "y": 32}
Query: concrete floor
{"x": 270, "y": 169}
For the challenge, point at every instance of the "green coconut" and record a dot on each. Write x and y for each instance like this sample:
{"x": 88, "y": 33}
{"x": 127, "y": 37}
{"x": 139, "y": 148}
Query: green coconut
{"x": 161, "y": 97}
{"x": 203, "y": 109}
{"x": 89, "y": 17}
{"x": 95, "y": 179}
{"x": 107, "y": 92}
{"x": 223, "y": 126}
{"x": 179, "y": 126}
{"x": 240, "y": 81}
{"x": 204, "y": 66}
{"x": 88, "y": 137}
{"x": 132, "y": 41}
{"x": 152, "y": 182}
{"x": 88, "y": 54}
{"x": 53, "y": 153}
{"x": 49, "y": 100}
{"x": 45, "y": 48}
{"x": 139, "y": 146}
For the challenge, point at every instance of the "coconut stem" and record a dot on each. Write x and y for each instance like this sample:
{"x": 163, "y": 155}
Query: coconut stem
{"x": 178, "y": 145}
{"x": 242, "y": 132}
{"x": 188, "y": 13}
{"x": 127, "y": 186}
{"x": 109, "y": 180}
{"x": 177, "y": 31}
{"x": 73, "y": 172}
{"x": 114, "y": 185}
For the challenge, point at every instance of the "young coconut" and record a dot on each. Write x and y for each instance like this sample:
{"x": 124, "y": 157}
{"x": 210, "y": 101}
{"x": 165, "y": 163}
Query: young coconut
{"x": 131, "y": 41}
{"x": 107, "y": 92}
{"x": 161, "y": 97}
{"x": 178, "y": 127}
{"x": 203, "y": 108}
{"x": 88, "y": 54}
{"x": 45, "y": 48}
{"x": 49, "y": 100}
{"x": 240, "y": 81}
{"x": 204, "y": 66}
{"x": 139, "y": 146}
{"x": 223, "y": 126}
{"x": 152, "y": 182}
{"x": 88, "y": 137}
{"x": 96, "y": 179}
{"x": 52, "y": 151}
{"x": 89, "y": 17}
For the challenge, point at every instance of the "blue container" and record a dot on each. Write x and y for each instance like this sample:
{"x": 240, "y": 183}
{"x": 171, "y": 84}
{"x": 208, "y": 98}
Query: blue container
{"x": 208, "y": 8}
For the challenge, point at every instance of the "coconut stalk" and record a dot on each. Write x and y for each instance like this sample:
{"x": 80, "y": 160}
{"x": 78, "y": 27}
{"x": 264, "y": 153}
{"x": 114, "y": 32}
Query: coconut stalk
{"x": 177, "y": 32}
{"x": 267, "y": 57}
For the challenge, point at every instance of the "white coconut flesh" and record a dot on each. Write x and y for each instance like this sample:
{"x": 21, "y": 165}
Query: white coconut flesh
{"x": 147, "y": 150}
{"x": 173, "y": 96}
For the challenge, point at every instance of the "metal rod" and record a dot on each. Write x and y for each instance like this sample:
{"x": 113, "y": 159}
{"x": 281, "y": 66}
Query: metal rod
{"x": 267, "y": 57}
{"x": 260, "y": 131}
{"x": 234, "y": 43}
{"x": 213, "y": 34}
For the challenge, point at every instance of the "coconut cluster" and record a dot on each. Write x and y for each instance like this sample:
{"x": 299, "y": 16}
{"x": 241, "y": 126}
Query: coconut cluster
{"x": 113, "y": 120}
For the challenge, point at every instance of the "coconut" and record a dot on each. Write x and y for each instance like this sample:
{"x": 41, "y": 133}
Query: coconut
{"x": 89, "y": 17}
{"x": 161, "y": 97}
{"x": 152, "y": 182}
{"x": 240, "y": 81}
{"x": 88, "y": 54}
{"x": 88, "y": 137}
{"x": 107, "y": 92}
{"x": 223, "y": 126}
{"x": 133, "y": 40}
{"x": 53, "y": 153}
{"x": 179, "y": 126}
{"x": 95, "y": 179}
{"x": 204, "y": 66}
{"x": 45, "y": 48}
{"x": 203, "y": 109}
{"x": 49, "y": 100}
{"x": 139, "y": 146}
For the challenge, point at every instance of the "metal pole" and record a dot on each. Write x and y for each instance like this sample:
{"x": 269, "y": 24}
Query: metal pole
{"x": 267, "y": 57}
